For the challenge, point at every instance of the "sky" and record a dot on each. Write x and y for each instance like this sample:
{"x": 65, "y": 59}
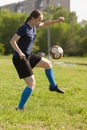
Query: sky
{"x": 79, "y": 6}
{"x": 4, "y": 2}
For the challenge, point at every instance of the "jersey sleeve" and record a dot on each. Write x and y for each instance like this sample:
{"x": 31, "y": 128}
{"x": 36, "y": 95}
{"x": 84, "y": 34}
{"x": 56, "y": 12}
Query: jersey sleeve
{"x": 21, "y": 31}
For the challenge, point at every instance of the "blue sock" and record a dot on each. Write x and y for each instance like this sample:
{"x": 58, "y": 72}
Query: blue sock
{"x": 24, "y": 97}
{"x": 50, "y": 76}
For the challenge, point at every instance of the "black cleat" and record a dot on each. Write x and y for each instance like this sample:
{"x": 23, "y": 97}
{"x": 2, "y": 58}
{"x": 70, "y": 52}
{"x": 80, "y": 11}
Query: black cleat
{"x": 56, "y": 89}
{"x": 19, "y": 109}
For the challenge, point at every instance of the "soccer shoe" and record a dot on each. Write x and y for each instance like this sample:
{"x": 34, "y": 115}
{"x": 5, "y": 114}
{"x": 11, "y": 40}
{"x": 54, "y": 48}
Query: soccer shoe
{"x": 19, "y": 109}
{"x": 56, "y": 89}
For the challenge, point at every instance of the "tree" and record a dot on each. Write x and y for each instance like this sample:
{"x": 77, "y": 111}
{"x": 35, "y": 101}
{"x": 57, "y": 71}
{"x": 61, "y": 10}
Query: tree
{"x": 70, "y": 35}
{"x": 8, "y": 26}
{"x": 2, "y": 49}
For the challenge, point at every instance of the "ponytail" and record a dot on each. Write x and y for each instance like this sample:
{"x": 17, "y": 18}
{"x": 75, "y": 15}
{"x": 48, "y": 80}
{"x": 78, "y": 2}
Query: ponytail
{"x": 28, "y": 19}
{"x": 35, "y": 14}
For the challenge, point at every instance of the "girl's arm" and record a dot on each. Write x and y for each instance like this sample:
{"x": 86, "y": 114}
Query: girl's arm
{"x": 48, "y": 23}
{"x": 14, "y": 45}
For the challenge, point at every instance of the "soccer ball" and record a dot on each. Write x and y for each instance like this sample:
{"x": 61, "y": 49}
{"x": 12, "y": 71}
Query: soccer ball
{"x": 56, "y": 52}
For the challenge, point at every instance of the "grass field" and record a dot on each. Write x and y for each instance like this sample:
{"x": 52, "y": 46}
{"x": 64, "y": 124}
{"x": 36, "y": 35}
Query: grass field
{"x": 45, "y": 110}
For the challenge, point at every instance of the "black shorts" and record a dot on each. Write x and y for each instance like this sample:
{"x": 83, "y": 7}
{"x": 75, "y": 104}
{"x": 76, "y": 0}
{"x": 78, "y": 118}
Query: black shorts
{"x": 24, "y": 68}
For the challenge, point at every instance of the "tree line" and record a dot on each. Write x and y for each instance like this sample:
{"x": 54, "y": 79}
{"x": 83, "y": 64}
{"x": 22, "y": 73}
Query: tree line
{"x": 70, "y": 35}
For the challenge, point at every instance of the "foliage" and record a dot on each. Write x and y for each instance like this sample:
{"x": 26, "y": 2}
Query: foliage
{"x": 83, "y": 46}
{"x": 9, "y": 22}
{"x": 70, "y": 34}
{"x": 66, "y": 34}
{"x": 2, "y": 50}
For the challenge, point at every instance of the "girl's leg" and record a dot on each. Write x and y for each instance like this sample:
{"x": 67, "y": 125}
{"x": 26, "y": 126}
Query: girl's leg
{"x": 27, "y": 91}
{"x": 24, "y": 97}
{"x": 44, "y": 63}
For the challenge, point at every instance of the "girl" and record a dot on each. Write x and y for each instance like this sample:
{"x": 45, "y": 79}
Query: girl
{"x": 24, "y": 61}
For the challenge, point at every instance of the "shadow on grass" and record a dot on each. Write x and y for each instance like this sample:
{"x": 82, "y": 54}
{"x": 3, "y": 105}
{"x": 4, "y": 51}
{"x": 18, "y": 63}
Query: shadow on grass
{"x": 69, "y": 63}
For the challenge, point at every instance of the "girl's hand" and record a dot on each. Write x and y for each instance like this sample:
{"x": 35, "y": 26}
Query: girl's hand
{"x": 60, "y": 19}
{"x": 22, "y": 56}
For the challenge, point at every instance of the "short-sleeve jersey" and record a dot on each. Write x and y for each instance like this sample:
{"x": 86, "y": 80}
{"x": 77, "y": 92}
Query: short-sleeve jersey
{"x": 27, "y": 37}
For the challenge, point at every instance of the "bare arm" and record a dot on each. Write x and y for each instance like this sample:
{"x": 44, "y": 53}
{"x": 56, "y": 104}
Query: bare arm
{"x": 48, "y": 23}
{"x": 14, "y": 45}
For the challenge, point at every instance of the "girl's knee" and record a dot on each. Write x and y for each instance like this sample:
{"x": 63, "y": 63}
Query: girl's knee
{"x": 49, "y": 64}
{"x": 30, "y": 81}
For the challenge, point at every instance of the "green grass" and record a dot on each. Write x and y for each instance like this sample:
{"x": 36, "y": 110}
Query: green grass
{"x": 45, "y": 110}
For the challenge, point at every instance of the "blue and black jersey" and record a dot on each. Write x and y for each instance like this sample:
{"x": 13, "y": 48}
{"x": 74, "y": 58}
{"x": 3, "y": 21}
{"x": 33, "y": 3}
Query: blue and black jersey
{"x": 27, "y": 37}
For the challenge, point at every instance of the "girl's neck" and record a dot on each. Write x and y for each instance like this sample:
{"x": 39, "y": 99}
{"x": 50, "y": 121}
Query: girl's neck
{"x": 30, "y": 24}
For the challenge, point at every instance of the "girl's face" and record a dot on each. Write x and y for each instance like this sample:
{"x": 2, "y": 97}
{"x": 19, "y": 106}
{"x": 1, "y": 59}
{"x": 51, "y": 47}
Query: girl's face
{"x": 37, "y": 21}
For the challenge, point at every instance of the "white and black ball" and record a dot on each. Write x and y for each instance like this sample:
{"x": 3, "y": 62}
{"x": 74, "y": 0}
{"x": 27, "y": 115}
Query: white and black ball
{"x": 56, "y": 52}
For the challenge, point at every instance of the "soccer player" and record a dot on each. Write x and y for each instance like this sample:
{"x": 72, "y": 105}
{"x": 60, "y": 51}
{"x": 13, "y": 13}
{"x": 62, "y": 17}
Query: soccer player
{"x": 23, "y": 58}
